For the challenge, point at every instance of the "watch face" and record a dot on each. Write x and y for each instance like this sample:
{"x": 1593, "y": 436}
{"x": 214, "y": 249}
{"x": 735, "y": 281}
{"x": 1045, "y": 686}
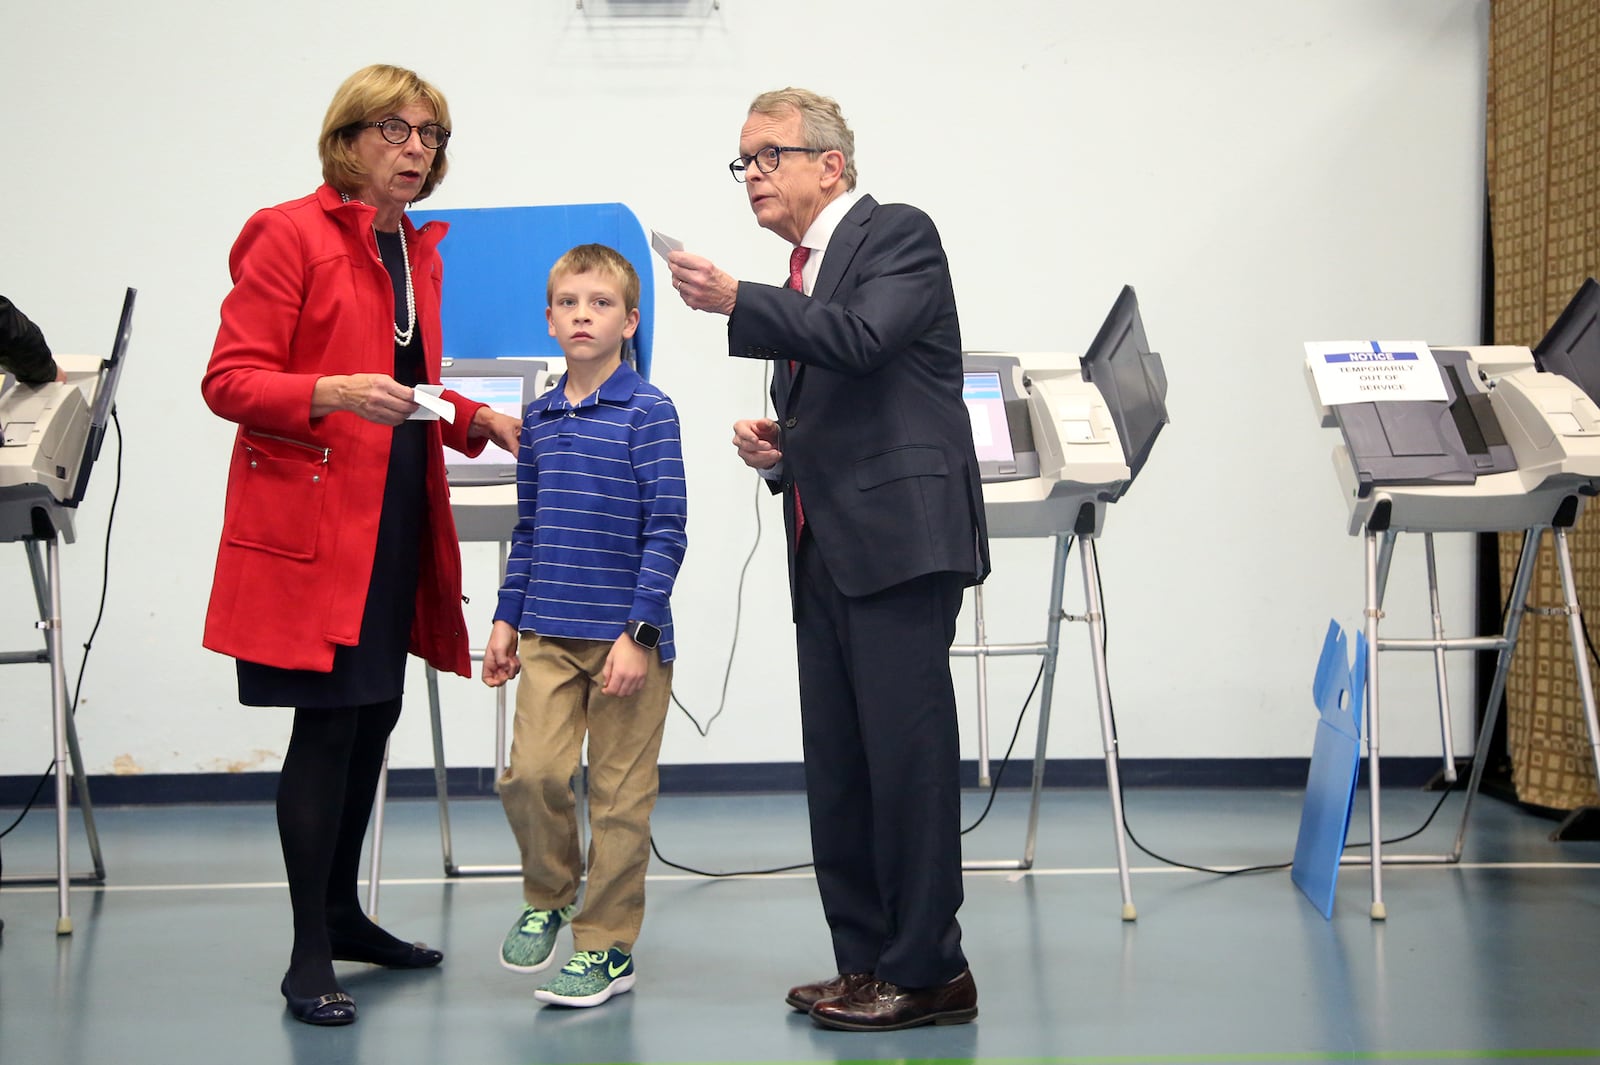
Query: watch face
{"x": 644, "y": 634}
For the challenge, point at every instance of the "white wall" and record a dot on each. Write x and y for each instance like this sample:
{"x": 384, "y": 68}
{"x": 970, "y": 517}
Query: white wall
{"x": 1263, "y": 173}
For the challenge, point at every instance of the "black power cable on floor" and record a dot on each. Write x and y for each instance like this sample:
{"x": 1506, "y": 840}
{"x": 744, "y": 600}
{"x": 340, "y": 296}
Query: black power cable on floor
{"x": 83, "y": 663}
{"x": 1117, "y": 753}
{"x": 994, "y": 787}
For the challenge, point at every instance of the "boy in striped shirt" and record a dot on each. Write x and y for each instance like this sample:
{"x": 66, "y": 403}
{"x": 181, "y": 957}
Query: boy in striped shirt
{"x": 584, "y": 617}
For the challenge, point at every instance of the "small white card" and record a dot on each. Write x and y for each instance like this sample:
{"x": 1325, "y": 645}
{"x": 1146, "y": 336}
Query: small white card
{"x": 1363, "y": 371}
{"x": 430, "y": 408}
{"x": 664, "y": 244}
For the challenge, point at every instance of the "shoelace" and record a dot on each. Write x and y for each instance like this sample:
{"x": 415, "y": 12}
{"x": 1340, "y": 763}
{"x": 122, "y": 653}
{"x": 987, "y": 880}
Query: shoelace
{"x": 582, "y": 960}
{"x": 537, "y": 920}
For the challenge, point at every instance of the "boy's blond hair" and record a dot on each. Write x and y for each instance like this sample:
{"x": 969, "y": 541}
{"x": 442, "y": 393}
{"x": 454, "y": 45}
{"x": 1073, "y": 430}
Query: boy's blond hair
{"x": 597, "y": 259}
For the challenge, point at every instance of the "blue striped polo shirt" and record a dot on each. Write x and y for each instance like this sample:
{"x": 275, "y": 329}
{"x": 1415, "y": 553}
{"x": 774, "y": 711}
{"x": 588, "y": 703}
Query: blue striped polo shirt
{"x": 601, "y": 512}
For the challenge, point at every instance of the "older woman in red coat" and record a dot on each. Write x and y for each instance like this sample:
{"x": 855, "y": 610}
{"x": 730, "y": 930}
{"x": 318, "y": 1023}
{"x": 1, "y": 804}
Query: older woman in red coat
{"x": 339, "y": 553}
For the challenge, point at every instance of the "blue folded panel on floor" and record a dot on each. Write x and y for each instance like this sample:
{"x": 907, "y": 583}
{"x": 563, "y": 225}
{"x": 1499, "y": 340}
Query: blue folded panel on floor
{"x": 1338, "y": 690}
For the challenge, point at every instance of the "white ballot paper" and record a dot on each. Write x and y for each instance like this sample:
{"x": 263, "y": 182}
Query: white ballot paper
{"x": 1362, "y": 371}
{"x": 430, "y": 408}
{"x": 664, "y": 244}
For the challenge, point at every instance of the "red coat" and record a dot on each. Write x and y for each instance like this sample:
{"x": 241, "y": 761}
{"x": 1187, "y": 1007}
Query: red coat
{"x": 310, "y": 299}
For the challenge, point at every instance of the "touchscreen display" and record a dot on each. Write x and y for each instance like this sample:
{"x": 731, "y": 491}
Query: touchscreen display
{"x": 991, "y": 437}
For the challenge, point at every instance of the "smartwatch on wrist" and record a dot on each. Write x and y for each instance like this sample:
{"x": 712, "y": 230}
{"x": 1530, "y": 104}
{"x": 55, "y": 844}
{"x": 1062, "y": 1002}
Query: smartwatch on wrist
{"x": 643, "y": 633}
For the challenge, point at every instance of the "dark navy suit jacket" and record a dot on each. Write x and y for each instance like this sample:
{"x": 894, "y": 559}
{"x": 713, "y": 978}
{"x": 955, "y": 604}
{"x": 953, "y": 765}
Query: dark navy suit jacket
{"x": 874, "y": 429}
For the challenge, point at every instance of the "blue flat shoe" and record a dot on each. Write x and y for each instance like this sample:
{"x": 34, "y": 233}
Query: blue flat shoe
{"x": 326, "y": 1010}
{"x": 401, "y": 956}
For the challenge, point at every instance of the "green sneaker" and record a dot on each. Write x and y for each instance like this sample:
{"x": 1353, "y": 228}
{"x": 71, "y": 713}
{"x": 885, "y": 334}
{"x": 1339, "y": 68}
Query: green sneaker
{"x": 591, "y": 977}
{"x": 528, "y": 946}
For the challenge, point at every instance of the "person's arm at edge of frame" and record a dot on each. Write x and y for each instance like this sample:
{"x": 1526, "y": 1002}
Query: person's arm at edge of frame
{"x": 23, "y": 349}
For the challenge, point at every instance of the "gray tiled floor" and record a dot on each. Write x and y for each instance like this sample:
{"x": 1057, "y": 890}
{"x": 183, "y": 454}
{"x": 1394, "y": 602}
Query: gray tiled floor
{"x": 176, "y": 960}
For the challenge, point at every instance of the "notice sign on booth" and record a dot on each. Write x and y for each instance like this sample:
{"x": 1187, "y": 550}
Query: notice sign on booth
{"x": 1363, "y": 371}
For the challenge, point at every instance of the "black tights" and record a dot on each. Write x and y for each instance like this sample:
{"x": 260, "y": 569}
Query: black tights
{"x": 325, "y": 795}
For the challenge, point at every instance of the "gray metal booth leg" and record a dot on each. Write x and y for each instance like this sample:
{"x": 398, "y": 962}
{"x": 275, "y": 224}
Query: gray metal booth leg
{"x": 442, "y": 787}
{"x": 1573, "y": 611}
{"x": 1090, "y": 560}
{"x": 1050, "y": 650}
{"x": 1377, "y": 567}
{"x": 1569, "y": 594}
{"x": 442, "y": 794}
{"x": 46, "y": 574}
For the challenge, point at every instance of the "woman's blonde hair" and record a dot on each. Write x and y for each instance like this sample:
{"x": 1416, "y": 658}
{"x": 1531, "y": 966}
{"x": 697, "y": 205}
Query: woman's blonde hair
{"x": 372, "y": 93}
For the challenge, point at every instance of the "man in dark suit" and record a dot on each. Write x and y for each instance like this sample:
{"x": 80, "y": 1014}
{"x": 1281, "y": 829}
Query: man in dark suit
{"x": 872, "y": 450}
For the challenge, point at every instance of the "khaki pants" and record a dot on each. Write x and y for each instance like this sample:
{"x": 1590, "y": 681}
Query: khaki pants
{"x": 558, "y": 699}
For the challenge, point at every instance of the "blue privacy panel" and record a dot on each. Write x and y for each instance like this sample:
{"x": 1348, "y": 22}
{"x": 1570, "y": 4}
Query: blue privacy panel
{"x": 1337, "y": 690}
{"x": 497, "y": 261}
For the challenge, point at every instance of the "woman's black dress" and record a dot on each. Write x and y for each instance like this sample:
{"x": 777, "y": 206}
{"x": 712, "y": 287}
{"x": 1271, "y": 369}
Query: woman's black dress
{"x": 374, "y": 670}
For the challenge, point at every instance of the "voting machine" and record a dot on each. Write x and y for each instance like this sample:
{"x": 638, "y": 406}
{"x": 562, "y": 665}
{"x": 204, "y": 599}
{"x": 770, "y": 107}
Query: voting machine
{"x": 50, "y": 436}
{"x": 1059, "y": 437}
{"x": 1513, "y": 447}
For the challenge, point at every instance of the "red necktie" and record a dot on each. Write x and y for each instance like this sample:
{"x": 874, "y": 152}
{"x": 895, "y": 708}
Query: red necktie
{"x": 797, "y": 263}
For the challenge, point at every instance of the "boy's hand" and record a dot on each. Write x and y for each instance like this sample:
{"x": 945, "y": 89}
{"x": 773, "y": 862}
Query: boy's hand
{"x": 500, "y": 655}
{"x": 625, "y": 668}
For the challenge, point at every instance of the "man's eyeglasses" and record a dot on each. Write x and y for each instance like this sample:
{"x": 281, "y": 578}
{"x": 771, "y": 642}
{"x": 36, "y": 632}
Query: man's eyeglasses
{"x": 398, "y": 131}
{"x": 766, "y": 160}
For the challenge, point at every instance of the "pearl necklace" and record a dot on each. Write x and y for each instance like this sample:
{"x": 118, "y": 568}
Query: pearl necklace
{"x": 402, "y": 337}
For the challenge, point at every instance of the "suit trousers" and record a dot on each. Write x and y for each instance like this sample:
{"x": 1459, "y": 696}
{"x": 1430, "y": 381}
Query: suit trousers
{"x": 882, "y": 754}
{"x": 558, "y": 700}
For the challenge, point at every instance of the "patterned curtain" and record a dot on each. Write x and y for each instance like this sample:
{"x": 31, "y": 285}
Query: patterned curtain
{"x": 1544, "y": 206}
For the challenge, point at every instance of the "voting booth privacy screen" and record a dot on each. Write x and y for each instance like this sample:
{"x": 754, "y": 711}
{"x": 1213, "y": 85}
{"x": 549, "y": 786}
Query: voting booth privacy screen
{"x": 1120, "y": 363}
{"x": 497, "y": 267}
{"x": 105, "y": 397}
{"x": 1572, "y": 347}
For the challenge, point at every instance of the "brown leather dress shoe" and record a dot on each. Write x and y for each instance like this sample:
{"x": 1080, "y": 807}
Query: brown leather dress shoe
{"x": 879, "y": 1006}
{"x": 805, "y": 996}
